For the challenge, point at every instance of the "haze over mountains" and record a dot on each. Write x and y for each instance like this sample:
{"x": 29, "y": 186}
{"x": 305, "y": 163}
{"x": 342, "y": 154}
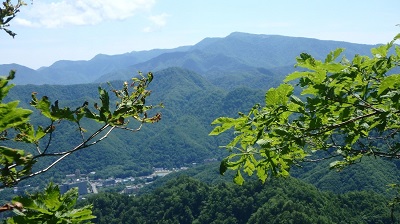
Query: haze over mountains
{"x": 261, "y": 58}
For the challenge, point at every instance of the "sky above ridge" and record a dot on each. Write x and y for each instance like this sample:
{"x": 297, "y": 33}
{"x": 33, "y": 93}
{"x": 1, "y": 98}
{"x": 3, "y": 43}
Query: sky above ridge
{"x": 52, "y": 30}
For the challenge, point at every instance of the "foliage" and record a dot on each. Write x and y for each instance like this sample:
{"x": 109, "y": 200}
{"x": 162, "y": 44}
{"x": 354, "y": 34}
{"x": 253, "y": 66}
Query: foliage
{"x": 16, "y": 164}
{"x": 15, "y": 127}
{"x": 7, "y": 12}
{"x": 51, "y": 207}
{"x": 348, "y": 109}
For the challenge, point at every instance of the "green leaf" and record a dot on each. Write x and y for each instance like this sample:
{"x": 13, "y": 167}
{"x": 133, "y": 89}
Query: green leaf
{"x": 70, "y": 197}
{"x": 234, "y": 165}
{"x": 392, "y": 81}
{"x": 223, "y": 166}
{"x": 281, "y": 131}
{"x": 4, "y": 86}
{"x": 249, "y": 167}
{"x": 381, "y": 51}
{"x": 296, "y": 100}
{"x": 43, "y": 105}
{"x": 333, "y": 55}
{"x": 22, "y": 161}
{"x": 53, "y": 195}
{"x": 82, "y": 214}
{"x": 11, "y": 116}
{"x": 238, "y": 179}
{"x": 295, "y": 75}
{"x": 226, "y": 123}
{"x": 397, "y": 37}
{"x": 284, "y": 173}
{"x": 278, "y": 96}
{"x": 264, "y": 142}
{"x": 261, "y": 173}
{"x": 53, "y": 112}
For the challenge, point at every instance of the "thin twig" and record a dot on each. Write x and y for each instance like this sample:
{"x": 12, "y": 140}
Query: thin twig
{"x": 67, "y": 153}
{"x": 50, "y": 138}
{"x": 80, "y": 146}
{"x": 367, "y": 104}
{"x": 130, "y": 129}
{"x": 102, "y": 138}
{"x": 80, "y": 131}
{"x": 38, "y": 149}
{"x": 334, "y": 126}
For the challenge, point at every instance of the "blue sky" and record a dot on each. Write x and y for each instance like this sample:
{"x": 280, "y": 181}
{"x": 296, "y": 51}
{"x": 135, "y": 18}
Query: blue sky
{"x": 52, "y": 30}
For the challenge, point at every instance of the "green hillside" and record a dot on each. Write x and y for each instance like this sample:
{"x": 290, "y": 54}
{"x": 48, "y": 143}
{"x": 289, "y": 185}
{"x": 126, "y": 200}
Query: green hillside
{"x": 191, "y": 103}
{"x": 181, "y": 138}
{"x": 187, "y": 200}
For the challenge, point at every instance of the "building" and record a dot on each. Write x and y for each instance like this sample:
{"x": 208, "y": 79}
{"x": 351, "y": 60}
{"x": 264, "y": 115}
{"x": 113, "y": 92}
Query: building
{"x": 81, "y": 185}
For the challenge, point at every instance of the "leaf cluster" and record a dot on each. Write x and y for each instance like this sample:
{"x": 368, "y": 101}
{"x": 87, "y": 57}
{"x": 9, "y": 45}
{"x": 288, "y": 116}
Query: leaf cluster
{"x": 51, "y": 207}
{"x": 348, "y": 109}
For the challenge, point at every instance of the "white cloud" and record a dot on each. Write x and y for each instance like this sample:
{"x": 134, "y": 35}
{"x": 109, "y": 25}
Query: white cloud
{"x": 23, "y": 22}
{"x": 80, "y": 12}
{"x": 159, "y": 20}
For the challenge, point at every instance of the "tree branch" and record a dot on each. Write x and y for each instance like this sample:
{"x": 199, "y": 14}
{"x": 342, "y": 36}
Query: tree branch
{"x": 67, "y": 153}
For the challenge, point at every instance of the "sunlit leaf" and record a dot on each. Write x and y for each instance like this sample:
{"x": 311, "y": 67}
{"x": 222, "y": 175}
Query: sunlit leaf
{"x": 12, "y": 116}
{"x": 238, "y": 179}
{"x": 392, "y": 81}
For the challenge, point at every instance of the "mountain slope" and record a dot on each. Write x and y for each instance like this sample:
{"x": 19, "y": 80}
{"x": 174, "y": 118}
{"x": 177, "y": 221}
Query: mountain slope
{"x": 23, "y": 75}
{"x": 268, "y": 51}
{"x": 66, "y": 72}
{"x": 253, "y": 56}
{"x": 243, "y": 59}
{"x": 186, "y": 200}
{"x": 181, "y": 138}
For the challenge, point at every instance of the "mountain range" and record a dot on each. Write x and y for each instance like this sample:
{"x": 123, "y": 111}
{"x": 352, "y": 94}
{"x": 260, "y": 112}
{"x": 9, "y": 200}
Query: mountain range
{"x": 253, "y": 59}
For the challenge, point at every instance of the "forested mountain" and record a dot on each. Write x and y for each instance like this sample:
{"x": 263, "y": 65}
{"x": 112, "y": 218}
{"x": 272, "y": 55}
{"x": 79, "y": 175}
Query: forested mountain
{"x": 238, "y": 59}
{"x": 25, "y": 75}
{"x": 242, "y": 59}
{"x": 202, "y": 195}
{"x": 187, "y": 200}
{"x": 66, "y": 72}
{"x": 181, "y": 138}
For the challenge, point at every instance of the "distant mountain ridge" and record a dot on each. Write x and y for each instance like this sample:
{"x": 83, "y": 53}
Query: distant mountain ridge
{"x": 65, "y": 72}
{"x": 252, "y": 56}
